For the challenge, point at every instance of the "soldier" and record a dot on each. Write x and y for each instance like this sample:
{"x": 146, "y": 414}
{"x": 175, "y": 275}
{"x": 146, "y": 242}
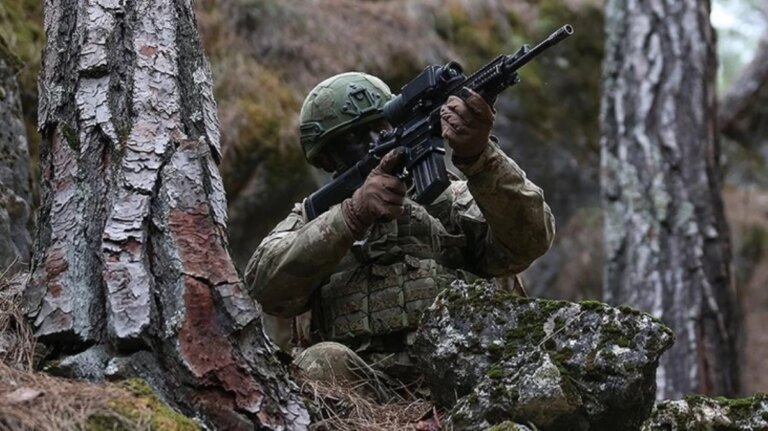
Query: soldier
{"x": 368, "y": 267}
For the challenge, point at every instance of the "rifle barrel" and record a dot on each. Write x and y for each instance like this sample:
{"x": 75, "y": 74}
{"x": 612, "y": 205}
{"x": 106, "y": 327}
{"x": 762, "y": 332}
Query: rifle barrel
{"x": 556, "y": 37}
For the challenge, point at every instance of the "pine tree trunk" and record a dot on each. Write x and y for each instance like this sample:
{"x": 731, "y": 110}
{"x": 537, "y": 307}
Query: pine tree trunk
{"x": 667, "y": 244}
{"x": 131, "y": 272}
{"x": 15, "y": 204}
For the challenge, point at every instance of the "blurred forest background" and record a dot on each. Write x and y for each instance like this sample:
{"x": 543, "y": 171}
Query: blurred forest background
{"x": 267, "y": 54}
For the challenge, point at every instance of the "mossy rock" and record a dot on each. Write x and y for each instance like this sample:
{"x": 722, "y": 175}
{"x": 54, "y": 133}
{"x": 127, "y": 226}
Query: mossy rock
{"x": 21, "y": 26}
{"x": 555, "y": 364}
{"x": 508, "y": 426}
{"x": 698, "y": 413}
{"x": 141, "y": 409}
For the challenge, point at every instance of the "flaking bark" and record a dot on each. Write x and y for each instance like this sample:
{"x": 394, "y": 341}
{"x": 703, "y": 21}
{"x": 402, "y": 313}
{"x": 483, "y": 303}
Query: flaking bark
{"x": 667, "y": 244}
{"x": 132, "y": 256}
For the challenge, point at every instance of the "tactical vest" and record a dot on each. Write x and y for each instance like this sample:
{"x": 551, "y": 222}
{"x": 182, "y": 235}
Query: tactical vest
{"x": 387, "y": 280}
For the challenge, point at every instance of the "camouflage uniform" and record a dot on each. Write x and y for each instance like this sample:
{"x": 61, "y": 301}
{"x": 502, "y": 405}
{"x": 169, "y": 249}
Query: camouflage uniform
{"x": 369, "y": 294}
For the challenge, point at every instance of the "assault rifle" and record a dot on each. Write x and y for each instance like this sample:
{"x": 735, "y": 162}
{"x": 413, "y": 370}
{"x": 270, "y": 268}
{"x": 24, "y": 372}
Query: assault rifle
{"x": 415, "y": 117}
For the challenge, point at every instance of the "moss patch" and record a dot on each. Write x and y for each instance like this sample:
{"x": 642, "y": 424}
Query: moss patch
{"x": 141, "y": 409}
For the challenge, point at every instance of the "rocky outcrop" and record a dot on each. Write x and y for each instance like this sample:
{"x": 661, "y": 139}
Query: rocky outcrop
{"x": 700, "y": 413}
{"x": 15, "y": 220}
{"x": 494, "y": 357}
{"x": 509, "y": 426}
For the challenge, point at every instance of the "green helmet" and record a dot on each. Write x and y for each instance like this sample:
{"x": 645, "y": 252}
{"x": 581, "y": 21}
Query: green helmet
{"x": 338, "y": 104}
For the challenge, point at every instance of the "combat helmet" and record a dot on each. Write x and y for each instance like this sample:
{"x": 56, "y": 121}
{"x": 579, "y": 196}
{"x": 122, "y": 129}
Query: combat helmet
{"x": 339, "y": 104}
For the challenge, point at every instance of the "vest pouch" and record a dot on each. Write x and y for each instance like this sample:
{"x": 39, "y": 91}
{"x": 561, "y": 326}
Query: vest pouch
{"x": 375, "y": 300}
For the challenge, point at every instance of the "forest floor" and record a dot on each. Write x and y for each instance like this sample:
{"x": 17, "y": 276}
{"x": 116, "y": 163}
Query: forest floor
{"x": 31, "y": 399}
{"x": 35, "y": 400}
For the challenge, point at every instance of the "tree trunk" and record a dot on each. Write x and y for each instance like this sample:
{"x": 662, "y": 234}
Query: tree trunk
{"x": 131, "y": 270}
{"x": 667, "y": 244}
{"x": 15, "y": 221}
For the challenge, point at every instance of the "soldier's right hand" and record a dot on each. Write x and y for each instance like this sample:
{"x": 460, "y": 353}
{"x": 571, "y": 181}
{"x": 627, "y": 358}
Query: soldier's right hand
{"x": 379, "y": 199}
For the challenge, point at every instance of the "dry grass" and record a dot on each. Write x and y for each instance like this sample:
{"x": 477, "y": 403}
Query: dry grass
{"x": 37, "y": 401}
{"x": 340, "y": 406}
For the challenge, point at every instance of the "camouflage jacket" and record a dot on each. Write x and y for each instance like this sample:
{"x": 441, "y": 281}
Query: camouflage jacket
{"x": 494, "y": 224}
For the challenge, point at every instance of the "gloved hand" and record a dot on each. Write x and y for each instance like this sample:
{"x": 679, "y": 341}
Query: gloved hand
{"x": 380, "y": 198}
{"x": 467, "y": 124}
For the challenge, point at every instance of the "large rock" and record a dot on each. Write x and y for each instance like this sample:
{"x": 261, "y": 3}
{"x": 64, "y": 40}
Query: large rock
{"x": 509, "y": 426}
{"x": 15, "y": 197}
{"x": 700, "y": 413}
{"x": 555, "y": 364}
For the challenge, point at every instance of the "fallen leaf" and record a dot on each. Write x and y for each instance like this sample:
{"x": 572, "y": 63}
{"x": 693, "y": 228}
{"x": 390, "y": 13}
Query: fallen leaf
{"x": 22, "y": 394}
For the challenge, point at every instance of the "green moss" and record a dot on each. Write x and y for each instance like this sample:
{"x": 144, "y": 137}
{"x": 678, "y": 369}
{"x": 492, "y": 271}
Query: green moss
{"x": 495, "y": 350}
{"x": 496, "y": 373}
{"x": 591, "y": 305}
{"x": 612, "y": 333}
{"x": 735, "y": 403}
{"x": 503, "y": 296}
{"x": 550, "y": 306}
{"x": 138, "y": 386}
{"x": 450, "y": 295}
{"x": 626, "y": 309}
{"x": 529, "y": 327}
{"x": 561, "y": 357}
{"x": 559, "y": 323}
{"x": 71, "y": 137}
{"x": 142, "y": 407}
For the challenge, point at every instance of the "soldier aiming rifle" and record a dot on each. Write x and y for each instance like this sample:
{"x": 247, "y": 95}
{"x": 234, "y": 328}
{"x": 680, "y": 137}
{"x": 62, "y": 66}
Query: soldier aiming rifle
{"x": 367, "y": 253}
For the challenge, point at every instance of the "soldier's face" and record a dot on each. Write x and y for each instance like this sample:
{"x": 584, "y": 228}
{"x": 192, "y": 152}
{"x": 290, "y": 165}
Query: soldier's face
{"x": 354, "y": 145}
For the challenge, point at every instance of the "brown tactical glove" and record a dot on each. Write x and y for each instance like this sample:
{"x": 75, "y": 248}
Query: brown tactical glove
{"x": 380, "y": 198}
{"x": 467, "y": 125}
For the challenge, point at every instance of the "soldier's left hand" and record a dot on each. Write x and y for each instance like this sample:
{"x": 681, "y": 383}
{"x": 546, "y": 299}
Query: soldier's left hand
{"x": 467, "y": 124}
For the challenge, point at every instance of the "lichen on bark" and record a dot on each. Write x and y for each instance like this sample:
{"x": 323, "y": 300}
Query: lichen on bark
{"x": 666, "y": 240}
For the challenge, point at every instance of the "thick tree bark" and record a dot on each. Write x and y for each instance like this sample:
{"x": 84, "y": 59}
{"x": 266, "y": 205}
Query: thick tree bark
{"x": 15, "y": 220}
{"x": 667, "y": 244}
{"x": 131, "y": 260}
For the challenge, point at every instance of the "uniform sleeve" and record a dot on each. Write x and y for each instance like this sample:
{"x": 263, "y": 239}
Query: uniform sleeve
{"x": 502, "y": 213}
{"x": 294, "y": 259}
